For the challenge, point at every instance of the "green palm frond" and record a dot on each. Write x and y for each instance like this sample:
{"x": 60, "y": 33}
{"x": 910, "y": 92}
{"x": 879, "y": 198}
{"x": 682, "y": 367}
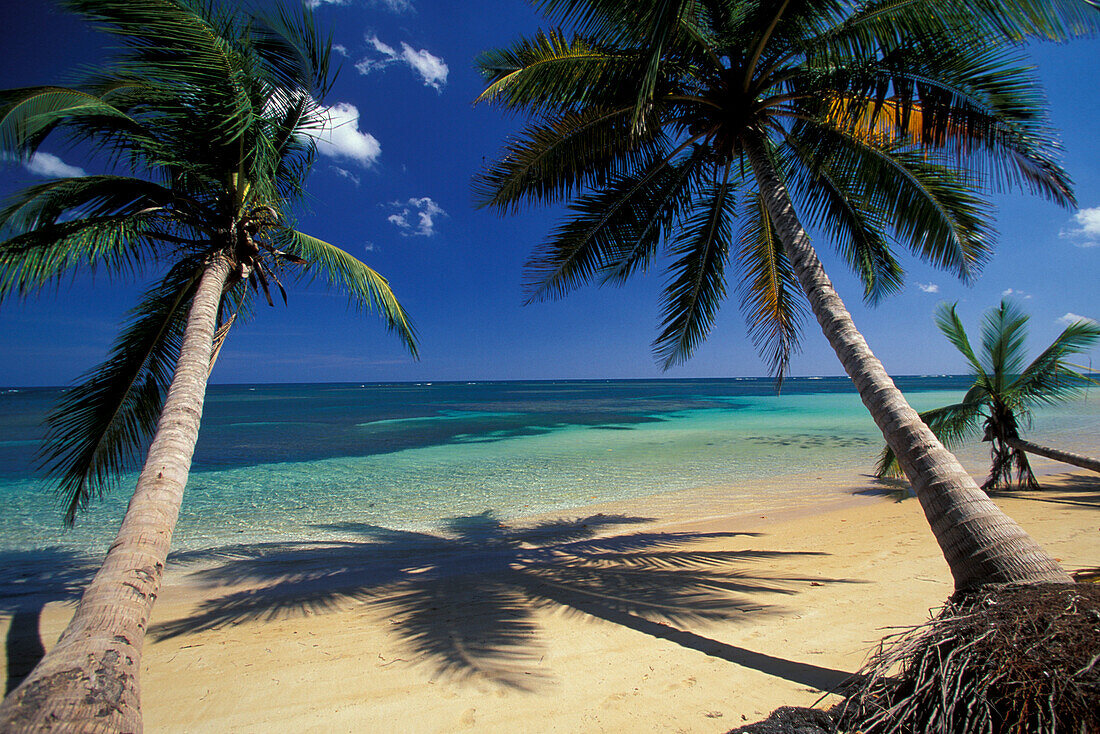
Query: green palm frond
{"x": 552, "y": 74}
{"x": 771, "y": 300}
{"x": 1049, "y": 379}
{"x": 833, "y": 201}
{"x": 571, "y": 151}
{"x": 948, "y": 322}
{"x": 1004, "y": 332}
{"x": 669, "y": 196}
{"x": 81, "y": 197}
{"x": 28, "y": 115}
{"x": 623, "y": 217}
{"x": 952, "y": 424}
{"x": 931, "y": 208}
{"x": 366, "y": 289}
{"x": 696, "y": 284}
{"x": 97, "y": 427}
{"x": 35, "y": 259}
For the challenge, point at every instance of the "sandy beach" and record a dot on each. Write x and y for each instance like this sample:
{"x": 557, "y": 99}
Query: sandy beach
{"x": 668, "y": 614}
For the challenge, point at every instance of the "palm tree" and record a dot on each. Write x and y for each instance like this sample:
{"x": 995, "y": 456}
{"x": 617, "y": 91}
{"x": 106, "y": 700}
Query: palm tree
{"x": 699, "y": 123}
{"x": 214, "y": 114}
{"x": 1004, "y": 392}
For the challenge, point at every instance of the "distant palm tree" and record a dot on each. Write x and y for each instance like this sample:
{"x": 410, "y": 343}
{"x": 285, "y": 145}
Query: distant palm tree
{"x": 214, "y": 114}
{"x": 693, "y": 123}
{"x": 1005, "y": 392}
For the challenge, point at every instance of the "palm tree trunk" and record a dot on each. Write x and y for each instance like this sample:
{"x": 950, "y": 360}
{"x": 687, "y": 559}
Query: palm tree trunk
{"x": 1066, "y": 457}
{"x": 981, "y": 544}
{"x": 89, "y": 681}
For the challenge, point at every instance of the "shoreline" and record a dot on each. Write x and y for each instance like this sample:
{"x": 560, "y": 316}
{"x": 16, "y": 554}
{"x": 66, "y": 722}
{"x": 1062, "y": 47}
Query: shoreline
{"x": 694, "y": 619}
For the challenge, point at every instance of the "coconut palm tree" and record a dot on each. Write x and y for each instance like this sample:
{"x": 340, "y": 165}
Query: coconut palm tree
{"x": 211, "y": 117}
{"x": 1005, "y": 392}
{"x": 698, "y": 124}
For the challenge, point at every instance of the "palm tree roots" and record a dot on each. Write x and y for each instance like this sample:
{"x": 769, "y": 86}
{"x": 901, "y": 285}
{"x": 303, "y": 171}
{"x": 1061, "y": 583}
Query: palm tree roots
{"x": 1008, "y": 659}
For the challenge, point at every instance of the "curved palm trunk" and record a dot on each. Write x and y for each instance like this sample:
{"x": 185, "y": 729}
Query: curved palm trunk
{"x": 981, "y": 544}
{"x": 89, "y": 681}
{"x": 1066, "y": 457}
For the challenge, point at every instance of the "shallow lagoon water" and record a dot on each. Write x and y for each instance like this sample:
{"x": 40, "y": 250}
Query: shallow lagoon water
{"x": 274, "y": 462}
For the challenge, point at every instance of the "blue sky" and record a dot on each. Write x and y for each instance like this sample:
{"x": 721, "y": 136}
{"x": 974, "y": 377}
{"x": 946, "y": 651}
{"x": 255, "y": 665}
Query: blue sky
{"x": 393, "y": 188}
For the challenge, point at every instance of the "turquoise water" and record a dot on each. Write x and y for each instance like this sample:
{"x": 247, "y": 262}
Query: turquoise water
{"x": 275, "y": 461}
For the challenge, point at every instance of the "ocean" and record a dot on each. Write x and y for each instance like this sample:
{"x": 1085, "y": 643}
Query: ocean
{"x": 289, "y": 462}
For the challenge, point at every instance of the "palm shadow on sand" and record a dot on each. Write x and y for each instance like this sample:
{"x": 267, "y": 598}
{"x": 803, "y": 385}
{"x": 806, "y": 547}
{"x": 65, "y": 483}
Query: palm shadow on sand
{"x": 28, "y": 581}
{"x": 465, "y": 599}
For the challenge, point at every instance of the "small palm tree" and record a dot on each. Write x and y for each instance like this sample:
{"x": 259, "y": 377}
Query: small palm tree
{"x": 212, "y": 116}
{"x": 716, "y": 128}
{"x": 1005, "y": 392}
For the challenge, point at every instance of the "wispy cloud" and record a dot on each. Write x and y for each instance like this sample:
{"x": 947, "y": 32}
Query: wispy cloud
{"x": 425, "y": 211}
{"x": 1013, "y": 293}
{"x": 47, "y": 164}
{"x": 929, "y": 287}
{"x": 345, "y": 173}
{"x": 396, "y": 6}
{"x": 1071, "y": 318}
{"x": 341, "y": 137}
{"x": 430, "y": 68}
{"x": 1087, "y": 231}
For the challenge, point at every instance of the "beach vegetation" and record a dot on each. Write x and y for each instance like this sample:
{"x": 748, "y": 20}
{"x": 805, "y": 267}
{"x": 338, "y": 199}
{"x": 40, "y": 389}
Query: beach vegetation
{"x": 703, "y": 137}
{"x": 1005, "y": 392}
{"x": 206, "y": 121}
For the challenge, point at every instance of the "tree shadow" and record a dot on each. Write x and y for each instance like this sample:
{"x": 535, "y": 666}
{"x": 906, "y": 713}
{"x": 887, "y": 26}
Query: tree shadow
{"x": 896, "y": 488}
{"x": 1082, "y": 490}
{"x": 28, "y": 581}
{"x": 465, "y": 599}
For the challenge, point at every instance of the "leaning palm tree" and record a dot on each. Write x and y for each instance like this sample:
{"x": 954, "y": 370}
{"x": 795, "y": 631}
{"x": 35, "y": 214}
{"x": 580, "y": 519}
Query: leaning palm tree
{"x": 211, "y": 117}
{"x": 1005, "y": 392}
{"x": 698, "y": 124}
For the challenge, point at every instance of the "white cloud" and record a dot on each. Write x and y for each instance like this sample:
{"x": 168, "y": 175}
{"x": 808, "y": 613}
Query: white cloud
{"x": 341, "y": 137}
{"x": 341, "y": 49}
{"x": 369, "y": 247}
{"x": 1071, "y": 318}
{"x": 397, "y": 6}
{"x": 47, "y": 164}
{"x": 929, "y": 287}
{"x": 314, "y": 4}
{"x": 1018, "y": 294}
{"x": 429, "y": 67}
{"x": 1087, "y": 231}
{"x": 345, "y": 173}
{"x": 425, "y": 210}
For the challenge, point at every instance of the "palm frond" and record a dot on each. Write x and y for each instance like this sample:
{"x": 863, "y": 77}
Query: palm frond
{"x": 551, "y": 74}
{"x": 97, "y": 428}
{"x": 366, "y": 289}
{"x": 28, "y": 115}
{"x": 948, "y": 322}
{"x": 35, "y": 259}
{"x": 1004, "y": 332}
{"x": 1050, "y": 379}
{"x": 771, "y": 299}
{"x": 834, "y": 202}
{"x": 82, "y": 197}
{"x": 570, "y": 151}
{"x": 933, "y": 209}
{"x": 697, "y": 278}
{"x": 604, "y": 226}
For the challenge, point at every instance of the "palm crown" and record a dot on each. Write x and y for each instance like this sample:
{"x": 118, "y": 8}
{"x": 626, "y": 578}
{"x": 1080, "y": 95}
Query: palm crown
{"x": 864, "y": 109}
{"x": 1006, "y": 388}
{"x": 212, "y": 117}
